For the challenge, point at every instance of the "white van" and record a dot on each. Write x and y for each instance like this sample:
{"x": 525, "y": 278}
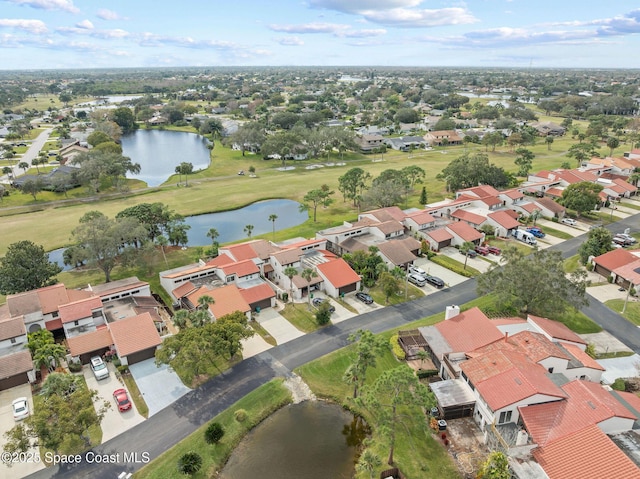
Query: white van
{"x": 525, "y": 237}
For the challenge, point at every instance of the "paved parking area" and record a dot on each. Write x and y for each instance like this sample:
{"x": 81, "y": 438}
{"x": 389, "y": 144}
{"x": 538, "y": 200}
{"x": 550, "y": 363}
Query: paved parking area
{"x": 159, "y": 386}
{"x": 20, "y": 469}
{"x": 359, "y": 306}
{"x": 277, "y": 325}
{"x": 253, "y": 346}
{"x": 114, "y": 422}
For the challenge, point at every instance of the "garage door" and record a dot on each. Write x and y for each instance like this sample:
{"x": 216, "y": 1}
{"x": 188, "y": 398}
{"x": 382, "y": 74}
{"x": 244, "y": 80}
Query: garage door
{"x": 13, "y": 381}
{"x": 601, "y": 270}
{"x": 265, "y": 303}
{"x": 347, "y": 289}
{"x": 444, "y": 244}
{"x": 141, "y": 356}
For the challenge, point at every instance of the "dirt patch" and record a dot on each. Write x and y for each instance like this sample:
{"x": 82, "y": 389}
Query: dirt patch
{"x": 465, "y": 445}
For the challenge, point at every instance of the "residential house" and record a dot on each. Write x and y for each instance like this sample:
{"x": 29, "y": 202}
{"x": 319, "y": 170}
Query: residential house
{"x": 338, "y": 277}
{"x": 503, "y": 222}
{"x": 548, "y": 128}
{"x": 370, "y": 143}
{"x": 135, "y": 339}
{"x": 438, "y": 238}
{"x": 443, "y": 137}
{"x": 622, "y": 266}
{"x": 461, "y": 232}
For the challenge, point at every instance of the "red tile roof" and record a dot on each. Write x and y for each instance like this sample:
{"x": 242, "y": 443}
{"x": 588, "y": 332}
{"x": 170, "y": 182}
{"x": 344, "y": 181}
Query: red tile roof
{"x": 556, "y": 329}
{"x": 534, "y": 346}
{"x": 338, "y": 273}
{"x": 551, "y": 205}
{"x": 388, "y": 227}
{"x": 469, "y": 217}
{"x": 615, "y": 259}
{"x": 12, "y": 328}
{"x": 586, "y": 360}
{"x": 439, "y": 235}
{"x": 53, "y": 324}
{"x": 288, "y": 256}
{"x": 257, "y": 293}
{"x": 16, "y": 363}
{"x": 555, "y": 192}
{"x": 456, "y": 330}
{"x": 241, "y": 251}
{"x": 90, "y": 342}
{"x": 630, "y": 272}
{"x": 464, "y": 231}
{"x": 80, "y": 309}
{"x": 481, "y": 191}
{"x": 134, "y": 334}
{"x": 504, "y": 219}
{"x": 183, "y": 290}
{"x": 514, "y": 194}
{"x": 585, "y": 454}
{"x": 51, "y": 297}
{"x": 421, "y": 218}
{"x": 227, "y": 300}
{"x": 220, "y": 260}
{"x": 386, "y": 214}
{"x": 241, "y": 268}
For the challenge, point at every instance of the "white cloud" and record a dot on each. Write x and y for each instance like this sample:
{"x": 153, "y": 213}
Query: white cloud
{"x": 64, "y": 5}
{"x": 106, "y": 14}
{"x": 363, "y": 33}
{"x": 412, "y": 18}
{"x": 310, "y": 28}
{"x": 32, "y": 26}
{"x": 290, "y": 41}
{"x": 357, "y": 6}
{"x": 83, "y": 29}
{"x": 86, "y": 24}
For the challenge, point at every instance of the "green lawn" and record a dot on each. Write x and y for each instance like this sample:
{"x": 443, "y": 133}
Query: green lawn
{"x": 455, "y": 265}
{"x": 135, "y": 395}
{"x": 631, "y": 204}
{"x": 399, "y": 297}
{"x": 572, "y": 264}
{"x": 301, "y": 315}
{"x": 258, "y": 404}
{"x": 632, "y": 311}
{"x": 578, "y": 322}
{"x": 556, "y": 233}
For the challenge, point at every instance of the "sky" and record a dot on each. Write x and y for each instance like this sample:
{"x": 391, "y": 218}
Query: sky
{"x": 61, "y": 34}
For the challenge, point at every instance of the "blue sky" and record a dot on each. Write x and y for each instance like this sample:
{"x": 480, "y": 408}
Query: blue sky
{"x": 49, "y": 34}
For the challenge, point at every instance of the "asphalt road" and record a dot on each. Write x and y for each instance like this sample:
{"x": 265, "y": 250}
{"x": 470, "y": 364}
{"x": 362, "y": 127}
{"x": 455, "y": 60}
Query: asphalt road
{"x": 172, "y": 424}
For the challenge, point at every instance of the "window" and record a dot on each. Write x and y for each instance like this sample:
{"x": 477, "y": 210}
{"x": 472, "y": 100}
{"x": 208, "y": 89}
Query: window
{"x": 76, "y": 323}
{"x": 505, "y": 416}
{"x": 54, "y": 314}
{"x": 13, "y": 340}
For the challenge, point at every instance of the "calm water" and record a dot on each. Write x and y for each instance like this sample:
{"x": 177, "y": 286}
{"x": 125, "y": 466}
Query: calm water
{"x": 310, "y": 440}
{"x": 230, "y": 224}
{"x": 160, "y": 151}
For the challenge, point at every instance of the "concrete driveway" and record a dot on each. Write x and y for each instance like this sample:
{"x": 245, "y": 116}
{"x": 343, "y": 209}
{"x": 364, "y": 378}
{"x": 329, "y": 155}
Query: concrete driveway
{"x": 277, "y": 325}
{"x": 572, "y": 230}
{"x": 359, "y": 306}
{"x": 253, "y": 346}
{"x": 449, "y": 277}
{"x": 24, "y": 468}
{"x": 481, "y": 265}
{"x": 159, "y": 386}
{"x": 627, "y": 367}
{"x": 114, "y": 422}
{"x": 340, "y": 314}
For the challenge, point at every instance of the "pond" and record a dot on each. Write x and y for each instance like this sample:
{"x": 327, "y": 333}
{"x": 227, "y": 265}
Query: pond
{"x": 159, "y": 152}
{"x": 231, "y": 224}
{"x": 310, "y": 440}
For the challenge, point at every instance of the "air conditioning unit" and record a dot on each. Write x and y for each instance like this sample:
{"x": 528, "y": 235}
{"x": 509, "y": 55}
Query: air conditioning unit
{"x": 82, "y": 329}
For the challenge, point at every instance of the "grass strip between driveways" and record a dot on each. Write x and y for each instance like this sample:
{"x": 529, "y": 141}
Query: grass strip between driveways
{"x": 135, "y": 395}
{"x": 258, "y": 404}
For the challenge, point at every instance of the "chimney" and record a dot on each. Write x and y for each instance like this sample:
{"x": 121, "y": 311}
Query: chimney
{"x": 506, "y": 336}
{"x": 451, "y": 311}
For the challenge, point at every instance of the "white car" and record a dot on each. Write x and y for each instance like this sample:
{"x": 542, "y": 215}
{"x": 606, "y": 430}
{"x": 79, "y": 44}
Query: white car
{"x": 627, "y": 237}
{"x": 569, "y": 221}
{"x": 416, "y": 270}
{"x": 99, "y": 368}
{"x": 20, "y": 409}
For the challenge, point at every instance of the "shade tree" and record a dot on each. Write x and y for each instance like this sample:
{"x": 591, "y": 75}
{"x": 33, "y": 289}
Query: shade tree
{"x": 25, "y": 267}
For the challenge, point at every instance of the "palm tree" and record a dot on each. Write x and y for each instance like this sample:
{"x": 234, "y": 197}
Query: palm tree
{"x": 162, "y": 241}
{"x": 213, "y": 234}
{"x": 24, "y": 165}
{"x": 466, "y": 246}
{"x": 248, "y": 229}
{"x": 179, "y": 171}
{"x": 369, "y": 462}
{"x": 273, "y": 218}
{"x": 307, "y": 274}
{"x": 181, "y": 318}
{"x": 204, "y": 301}
{"x": 290, "y": 272}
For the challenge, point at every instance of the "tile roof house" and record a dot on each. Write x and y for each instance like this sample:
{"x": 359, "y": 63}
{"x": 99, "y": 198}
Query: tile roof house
{"x": 16, "y": 369}
{"x": 438, "y": 238}
{"x": 468, "y": 217}
{"x": 462, "y": 232}
{"x": 503, "y": 223}
{"x": 606, "y": 263}
{"x": 399, "y": 252}
{"x": 13, "y": 335}
{"x": 135, "y": 339}
{"x": 95, "y": 343}
{"x": 339, "y": 278}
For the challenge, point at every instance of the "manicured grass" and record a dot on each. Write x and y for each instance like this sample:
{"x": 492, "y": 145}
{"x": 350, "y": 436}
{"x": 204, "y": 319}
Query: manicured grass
{"x": 399, "y": 297}
{"x": 578, "y": 322}
{"x": 455, "y": 265}
{"x": 258, "y": 404}
{"x": 135, "y": 395}
{"x": 556, "y": 233}
{"x": 617, "y": 354}
{"x": 632, "y": 311}
{"x": 346, "y": 305}
{"x": 301, "y": 315}
{"x": 571, "y": 264}
{"x": 631, "y": 204}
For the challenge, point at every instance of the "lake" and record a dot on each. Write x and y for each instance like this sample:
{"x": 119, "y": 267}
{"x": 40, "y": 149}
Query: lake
{"x": 310, "y": 440}
{"x": 159, "y": 152}
{"x": 230, "y": 224}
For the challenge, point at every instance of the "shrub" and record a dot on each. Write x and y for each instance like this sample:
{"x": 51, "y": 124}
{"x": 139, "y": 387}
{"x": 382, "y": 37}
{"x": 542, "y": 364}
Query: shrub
{"x": 189, "y": 463}
{"x": 426, "y": 373}
{"x": 75, "y": 366}
{"x": 240, "y": 415}
{"x": 610, "y": 279}
{"x": 618, "y": 385}
{"x": 123, "y": 369}
{"x": 396, "y": 348}
{"x": 453, "y": 267}
{"x": 213, "y": 433}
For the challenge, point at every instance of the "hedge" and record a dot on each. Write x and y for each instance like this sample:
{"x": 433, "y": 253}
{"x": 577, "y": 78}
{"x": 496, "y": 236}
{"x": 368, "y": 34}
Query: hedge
{"x": 469, "y": 272}
{"x": 397, "y": 349}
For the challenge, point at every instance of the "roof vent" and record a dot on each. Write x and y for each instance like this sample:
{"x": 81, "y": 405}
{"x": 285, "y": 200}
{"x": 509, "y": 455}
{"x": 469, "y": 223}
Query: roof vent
{"x": 591, "y": 405}
{"x": 518, "y": 382}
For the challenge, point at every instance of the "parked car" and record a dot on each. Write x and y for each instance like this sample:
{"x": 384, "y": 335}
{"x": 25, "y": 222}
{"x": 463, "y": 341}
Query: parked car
{"x": 434, "y": 281}
{"x": 622, "y": 240}
{"x": 535, "y": 231}
{"x": 494, "y": 250}
{"x": 417, "y": 279}
{"x": 318, "y": 301}
{"x": 122, "y": 400}
{"x": 483, "y": 250}
{"x": 470, "y": 253}
{"x": 416, "y": 270}
{"x": 364, "y": 297}
{"x": 629, "y": 238}
{"x": 616, "y": 245}
{"x": 569, "y": 221}
{"x": 99, "y": 368}
{"x": 20, "y": 409}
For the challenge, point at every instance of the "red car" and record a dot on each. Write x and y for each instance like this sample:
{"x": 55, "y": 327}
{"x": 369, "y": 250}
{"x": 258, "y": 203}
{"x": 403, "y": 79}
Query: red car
{"x": 494, "y": 250}
{"x": 483, "y": 250}
{"x": 122, "y": 400}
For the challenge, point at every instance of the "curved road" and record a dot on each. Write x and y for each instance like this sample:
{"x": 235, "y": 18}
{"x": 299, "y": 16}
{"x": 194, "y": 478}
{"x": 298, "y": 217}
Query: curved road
{"x": 161, "y": 431}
